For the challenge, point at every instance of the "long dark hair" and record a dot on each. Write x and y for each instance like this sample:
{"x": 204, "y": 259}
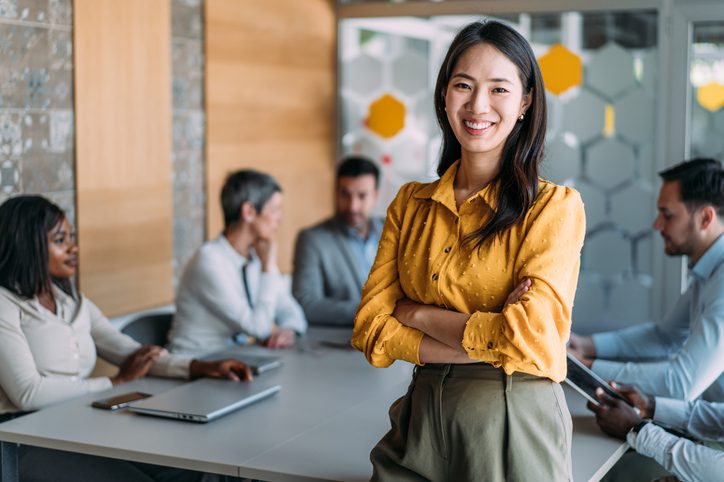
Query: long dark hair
{"x": 25, "y": 222}
{"x": 523, "y": 150}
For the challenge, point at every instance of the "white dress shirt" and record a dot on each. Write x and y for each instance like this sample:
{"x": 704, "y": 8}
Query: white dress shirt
{"x": 688, "y": 460}
{"x": 690, "y": 339}
{"x": 212, "y": 307}
{"x": 46, "y": 357}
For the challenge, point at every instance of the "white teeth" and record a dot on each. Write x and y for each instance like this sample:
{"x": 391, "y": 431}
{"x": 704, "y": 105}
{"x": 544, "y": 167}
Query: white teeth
{"x": 478, "y": 125}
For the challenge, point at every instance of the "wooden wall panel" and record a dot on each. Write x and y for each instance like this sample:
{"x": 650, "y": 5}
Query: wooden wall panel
{"x": 123, "y": 130}
{"x": 270, "y": 90}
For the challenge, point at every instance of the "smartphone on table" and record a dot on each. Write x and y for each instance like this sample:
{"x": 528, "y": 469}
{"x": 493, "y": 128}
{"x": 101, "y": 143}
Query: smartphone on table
{"x": 119, "y": 401}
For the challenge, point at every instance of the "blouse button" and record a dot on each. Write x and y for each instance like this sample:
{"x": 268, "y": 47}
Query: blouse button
{"x": 448, "y": 249}
{"x": 435, "y": 277}
{"x": 490, "y": 345}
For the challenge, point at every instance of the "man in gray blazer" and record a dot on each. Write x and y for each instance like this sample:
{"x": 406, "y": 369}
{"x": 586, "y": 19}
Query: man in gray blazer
{"x": 333, "y": 258}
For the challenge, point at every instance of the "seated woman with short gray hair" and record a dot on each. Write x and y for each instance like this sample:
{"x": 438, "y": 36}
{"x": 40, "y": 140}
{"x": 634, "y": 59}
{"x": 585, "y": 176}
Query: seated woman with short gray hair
{"x": 231, "y": 291}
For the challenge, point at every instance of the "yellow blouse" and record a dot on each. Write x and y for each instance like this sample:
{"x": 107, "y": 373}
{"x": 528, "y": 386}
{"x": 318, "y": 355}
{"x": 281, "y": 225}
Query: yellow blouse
{"x": 422, "y": 257}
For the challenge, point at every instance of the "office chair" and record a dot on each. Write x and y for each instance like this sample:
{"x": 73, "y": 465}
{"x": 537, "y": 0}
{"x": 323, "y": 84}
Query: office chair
{"x": 150, "y": 329}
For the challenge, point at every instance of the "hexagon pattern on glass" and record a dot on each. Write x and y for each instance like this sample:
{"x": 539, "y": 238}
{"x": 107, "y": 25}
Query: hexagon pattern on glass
{"x": 608, "y": 253}
{"x": 635, "y": 117}
{"x": 562, "y": 162}
{"x": 611, "y": 71}
{"x": 363, "y": 74}
{"x": 584, "y": 116}
{"x": 409, "y": 73}
{"x": 612, "y": 164}
{"x": 631, "y": 205}
{"x": 386, "y": 116}
{"x": 561, "y": 69}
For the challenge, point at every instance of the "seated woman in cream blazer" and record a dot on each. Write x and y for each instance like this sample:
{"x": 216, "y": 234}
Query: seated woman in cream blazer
{"x": 50, "y": 335}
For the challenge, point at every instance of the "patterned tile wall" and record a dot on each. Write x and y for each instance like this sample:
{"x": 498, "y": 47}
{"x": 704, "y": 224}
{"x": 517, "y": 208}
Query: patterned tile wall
{"x": 36, "y": 110}
{"x": 189, "y": 196}
{"x": 36, "y": 100}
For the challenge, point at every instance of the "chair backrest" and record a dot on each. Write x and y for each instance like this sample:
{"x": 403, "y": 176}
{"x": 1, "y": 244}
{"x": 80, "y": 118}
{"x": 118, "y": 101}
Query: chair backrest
{"x": 150, "y": 329}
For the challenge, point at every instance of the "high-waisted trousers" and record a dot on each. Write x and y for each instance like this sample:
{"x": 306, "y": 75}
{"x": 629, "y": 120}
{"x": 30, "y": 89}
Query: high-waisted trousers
{"x": 475, "y": 423}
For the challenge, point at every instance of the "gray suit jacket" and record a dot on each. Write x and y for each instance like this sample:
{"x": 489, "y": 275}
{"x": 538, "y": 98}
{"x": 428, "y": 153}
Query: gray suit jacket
{"x": 326, "y": 281}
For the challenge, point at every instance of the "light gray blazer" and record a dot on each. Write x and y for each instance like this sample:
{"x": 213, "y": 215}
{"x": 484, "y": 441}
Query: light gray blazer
{"x": 327, "y": 282}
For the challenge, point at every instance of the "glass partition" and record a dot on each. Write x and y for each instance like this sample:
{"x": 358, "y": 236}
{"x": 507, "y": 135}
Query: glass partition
{"x": 600, "y": 71}
{"x": 707, "y": 90}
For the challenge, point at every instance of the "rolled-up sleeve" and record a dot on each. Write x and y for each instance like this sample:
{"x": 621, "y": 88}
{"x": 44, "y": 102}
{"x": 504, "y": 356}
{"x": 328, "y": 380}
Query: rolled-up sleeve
{"x": 377, "y": 334}
{"x": 530, "y": 335}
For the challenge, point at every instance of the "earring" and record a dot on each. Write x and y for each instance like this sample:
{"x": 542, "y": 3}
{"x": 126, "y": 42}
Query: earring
{"x": 521, "y": 117}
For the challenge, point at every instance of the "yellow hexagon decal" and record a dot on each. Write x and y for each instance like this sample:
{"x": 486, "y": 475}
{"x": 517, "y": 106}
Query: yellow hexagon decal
{"x": 561, "y": 69}
{"x": 386, "y": 116}
{"x": 711, "y": 96}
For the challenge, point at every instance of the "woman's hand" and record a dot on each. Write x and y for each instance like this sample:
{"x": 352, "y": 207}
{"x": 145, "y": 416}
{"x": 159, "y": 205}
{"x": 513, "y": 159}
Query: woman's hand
{"x": 227, "y": 369}
{"x": 266, "y": 249}
{"x": 138, "y": 364}
{"x": 518, "y": 291}
{"x": 280, "y": 339}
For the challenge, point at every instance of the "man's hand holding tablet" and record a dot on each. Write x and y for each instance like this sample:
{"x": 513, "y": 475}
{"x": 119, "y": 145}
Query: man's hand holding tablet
{"x": 586, "y": 382}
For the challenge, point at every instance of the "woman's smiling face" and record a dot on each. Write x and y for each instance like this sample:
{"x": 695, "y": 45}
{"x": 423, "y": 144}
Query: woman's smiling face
{"x": 62, "y": 251}
{"x": 483, "y": 100}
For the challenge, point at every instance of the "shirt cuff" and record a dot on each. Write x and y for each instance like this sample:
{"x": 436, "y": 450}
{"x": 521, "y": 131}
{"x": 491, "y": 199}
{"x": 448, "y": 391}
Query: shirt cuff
{"x": 672, "y": 413}
{"x": 482, "y": 336}
{"x": 174, "y": 366}
{"x": 606, "y": 345}
{"x": 405, "y": 345}
{"x": 652, "y": 441}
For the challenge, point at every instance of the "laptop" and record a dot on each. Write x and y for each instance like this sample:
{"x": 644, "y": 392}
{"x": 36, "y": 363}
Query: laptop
{"x": 205, "y": 399}
{"x": 258, "y": 363}
{"x": 585, "y": 382}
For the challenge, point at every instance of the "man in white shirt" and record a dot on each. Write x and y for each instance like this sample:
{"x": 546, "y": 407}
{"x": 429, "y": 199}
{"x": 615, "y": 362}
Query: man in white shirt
{"x": 231, "y": 289}
{"x": 686, "y": 459}
{"x": 681, "y": 356}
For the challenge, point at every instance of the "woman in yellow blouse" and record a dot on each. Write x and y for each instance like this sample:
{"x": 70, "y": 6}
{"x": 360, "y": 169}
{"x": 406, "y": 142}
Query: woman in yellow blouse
{"x": 474, "y": 282}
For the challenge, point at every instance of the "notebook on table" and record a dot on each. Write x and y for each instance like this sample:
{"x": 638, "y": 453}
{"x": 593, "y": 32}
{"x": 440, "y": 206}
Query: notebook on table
{"x": 205, "y": 399}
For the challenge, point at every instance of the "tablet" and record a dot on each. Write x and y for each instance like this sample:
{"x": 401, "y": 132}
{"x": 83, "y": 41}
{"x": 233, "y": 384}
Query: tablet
{"x": 585, "y": 382}
{"x": 257, "y": 362}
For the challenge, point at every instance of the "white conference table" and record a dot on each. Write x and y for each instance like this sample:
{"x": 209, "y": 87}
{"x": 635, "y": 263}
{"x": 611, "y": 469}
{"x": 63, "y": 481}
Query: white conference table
{"x": 331, "y": 411}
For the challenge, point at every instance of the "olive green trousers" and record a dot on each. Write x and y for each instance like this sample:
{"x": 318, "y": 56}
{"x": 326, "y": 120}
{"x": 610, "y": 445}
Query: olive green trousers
{"x": 474, "y": 423}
